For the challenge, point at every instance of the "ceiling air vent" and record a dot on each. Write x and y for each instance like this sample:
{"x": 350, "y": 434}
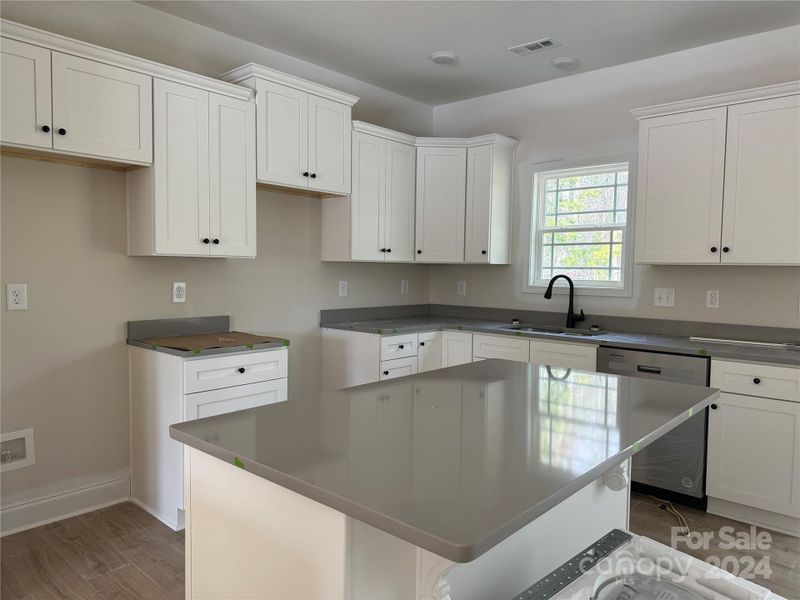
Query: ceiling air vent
{"x": 536, "y": 46}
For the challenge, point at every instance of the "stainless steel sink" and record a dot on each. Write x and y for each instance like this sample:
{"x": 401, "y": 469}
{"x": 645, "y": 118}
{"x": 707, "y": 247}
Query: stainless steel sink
{"x": 552, "y": 330}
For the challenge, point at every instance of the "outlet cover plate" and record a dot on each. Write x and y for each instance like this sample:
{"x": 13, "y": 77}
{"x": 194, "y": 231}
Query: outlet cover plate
{"x": 343, "y": 289}
{"x": 712, "y": 298}
{"x": 664, "y": 297}
{"x": 462, "y": 288}
{"x": 404, "y": 286}
{"x": 17, "y": 296}
{"x": 178, "y": 291}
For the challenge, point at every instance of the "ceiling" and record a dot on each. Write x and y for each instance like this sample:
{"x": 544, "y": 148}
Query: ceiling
{"x": 388, "y": 43}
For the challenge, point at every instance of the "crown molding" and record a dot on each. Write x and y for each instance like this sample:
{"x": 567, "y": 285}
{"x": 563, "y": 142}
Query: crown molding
{"x": 717, "y": 100}
{"x": 382, "y": 132}
{"x": 60, "y": 43}
{"x": 249, "y": 70}
{"x": 471, "y": 142}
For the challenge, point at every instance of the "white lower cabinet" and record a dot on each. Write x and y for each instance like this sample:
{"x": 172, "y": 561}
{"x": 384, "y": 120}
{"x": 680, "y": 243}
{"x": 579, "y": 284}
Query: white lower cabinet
{"x": 429, "y": 353}
{"x": 167, "y": 389}
{"x": 754, "y": 445}
{"x": 456, "y": 348}
{"x": 500, "y": 346}
{"x": 564, "y": 355}
{"x": 399, "y": 367}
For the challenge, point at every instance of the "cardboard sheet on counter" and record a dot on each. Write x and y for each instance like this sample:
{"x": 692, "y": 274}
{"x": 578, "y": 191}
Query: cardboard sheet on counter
{"x": 207, "y": 341}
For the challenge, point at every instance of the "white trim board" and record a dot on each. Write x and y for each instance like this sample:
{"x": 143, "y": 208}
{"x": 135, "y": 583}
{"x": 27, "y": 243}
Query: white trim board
{"x": 40, "y": 511}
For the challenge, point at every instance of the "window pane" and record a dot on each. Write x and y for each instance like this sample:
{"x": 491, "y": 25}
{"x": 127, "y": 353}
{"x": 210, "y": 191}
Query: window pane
{"x": 592, "y": 199}
{"x": 550, "y": 183}
{"x": 547, "y": 256}
{"x": 581, "y": 256}
{"x": 622, "y": 197}
{"x": 622, "y": 177}
{"x": 580, "y": 181}
{"x": 571, "y": 237}
{"x": 583, "y": 219}
{"x": 617, "y": 235}
{"x": 616, "y": 255}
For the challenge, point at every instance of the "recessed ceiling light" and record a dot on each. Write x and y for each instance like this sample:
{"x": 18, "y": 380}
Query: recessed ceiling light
{"x": 444, "y": 57}
{"x": 566, "y": 63}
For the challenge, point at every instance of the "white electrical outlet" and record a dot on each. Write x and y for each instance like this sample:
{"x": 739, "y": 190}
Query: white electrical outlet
{"x": 665, "y": 297}
{"x": 17, "y": 296}
{"x": 342, "y": 289}
{"x": 178, "y": 291}
{"x": 462, "y": 288}
{"x": 712, "y": 298}
{"x": 404, "y": 286}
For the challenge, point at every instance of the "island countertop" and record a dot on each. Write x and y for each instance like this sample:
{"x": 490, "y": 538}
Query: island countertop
{"x": 453, "y": 460}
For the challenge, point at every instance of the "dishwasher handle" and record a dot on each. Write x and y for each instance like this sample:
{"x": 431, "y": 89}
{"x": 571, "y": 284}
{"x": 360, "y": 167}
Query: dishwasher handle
{"x": 646, "y": 369}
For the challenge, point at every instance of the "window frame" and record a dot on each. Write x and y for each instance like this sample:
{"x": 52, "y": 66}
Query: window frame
{"x": 531, "y": 284}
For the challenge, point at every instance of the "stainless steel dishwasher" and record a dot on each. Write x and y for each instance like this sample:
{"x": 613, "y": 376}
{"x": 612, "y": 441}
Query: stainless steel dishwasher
{"x": 675, "y": 464}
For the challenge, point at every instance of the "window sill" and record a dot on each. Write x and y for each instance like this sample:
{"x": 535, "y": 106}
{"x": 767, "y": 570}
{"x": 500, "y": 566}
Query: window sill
{"x": 580, "y": 291}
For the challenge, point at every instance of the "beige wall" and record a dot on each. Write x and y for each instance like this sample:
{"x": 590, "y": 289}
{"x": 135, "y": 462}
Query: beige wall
{"x": 64, "y": 361}
{"x": 588, "y": 115}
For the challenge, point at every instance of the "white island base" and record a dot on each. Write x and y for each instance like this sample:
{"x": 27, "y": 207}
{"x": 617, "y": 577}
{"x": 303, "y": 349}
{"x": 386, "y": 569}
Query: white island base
{"x": 247, "y": 537}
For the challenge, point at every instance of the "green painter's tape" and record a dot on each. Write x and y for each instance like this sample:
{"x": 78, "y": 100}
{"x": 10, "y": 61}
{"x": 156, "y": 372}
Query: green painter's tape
{"x": 691, "y": 412}
{"x": 702, "y": 351}
{"x": 197, "y": 351}
{"x": 394, "y": 330}
{"x": 238, "y": 462}
{"x": 518, "y": 333}
{"x": 155, "y": 347}
{"x": 379, "y": 330}
{"x": 285, "y": 342}
{"x": 249, "y": 346}
{"x": 461, "y": 328}
{"x": 636, "y": 446}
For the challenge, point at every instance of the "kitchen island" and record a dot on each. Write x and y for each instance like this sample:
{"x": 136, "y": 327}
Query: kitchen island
{"x": 467, "y": 482}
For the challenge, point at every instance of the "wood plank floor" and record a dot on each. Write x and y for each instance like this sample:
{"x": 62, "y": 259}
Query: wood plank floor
{"x": 122, "y": 553}
{"x": 116, "y": 553}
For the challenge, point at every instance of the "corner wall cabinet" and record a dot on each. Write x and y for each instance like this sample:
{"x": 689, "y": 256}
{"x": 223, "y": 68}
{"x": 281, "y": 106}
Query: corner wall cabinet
{"x": 56, "y": 102}
{"x": 199, "y": 197}
{"x": 379, "y": 213}
{"x": 718, "y": 179}
{"x": 303, "y": 130}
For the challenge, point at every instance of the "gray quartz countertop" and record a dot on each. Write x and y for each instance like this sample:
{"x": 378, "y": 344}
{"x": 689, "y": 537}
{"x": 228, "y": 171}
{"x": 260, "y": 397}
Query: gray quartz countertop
{"x": 453, "y": 460}
{"x": 635, "y": 341}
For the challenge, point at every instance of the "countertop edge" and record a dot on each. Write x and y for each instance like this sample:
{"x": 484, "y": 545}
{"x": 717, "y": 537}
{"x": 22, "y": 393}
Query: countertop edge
{"x": 211, "y": 351}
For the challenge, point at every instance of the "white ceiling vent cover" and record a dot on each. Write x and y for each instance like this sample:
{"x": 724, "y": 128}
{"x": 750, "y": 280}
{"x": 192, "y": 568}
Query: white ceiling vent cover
{"x": 535, "y": 46}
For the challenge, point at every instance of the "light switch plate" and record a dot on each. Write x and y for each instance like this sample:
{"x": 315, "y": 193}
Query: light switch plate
{"x": 178, "y": 291}
{"x": 665, "y": 297}
{"x": 404, "y": 286}
{"x": 462, "y": 288}
{"x": 342, "y": 289}
{"x": 17, "y": 296}
{"x": 712, "y": 298}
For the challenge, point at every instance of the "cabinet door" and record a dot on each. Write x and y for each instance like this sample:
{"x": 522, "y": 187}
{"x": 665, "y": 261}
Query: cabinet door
{"x": 500, "y": 346}
{"x": 761, "y": 209}
{"x": 679, "y": 203}
{"x": 329, "y": 134}
{"x": 232, "y": 176}
{"x": 218, "y": 402}
{"x": 560, "y": 354}
{"x": 180, "y": 172}
{"x": 479, "y": 204}
{"x": 104, "y": 111}
{"x": 25, "y": 94}
{"x": 754, "y": 453}
{"x": 401, "y": 167}
{"x": 368, "y": 197}
{"x": 456, "y": 348}
{"x": 429, "y": 352}
{"x": 441, "y": 181}
{"x": 282, "y": 136}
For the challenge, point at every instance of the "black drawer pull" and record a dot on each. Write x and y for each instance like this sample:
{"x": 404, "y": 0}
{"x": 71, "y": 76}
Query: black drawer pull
{"x": 422, "y": 343}
{"x": 386, "y": 372}
{"x": 713, "y": 407}
{"x": 401, "y": 346}
{"x": 756, "y": 380}
{"x": 62, "y": 131}
{"x": 46, "y": 128}
{"x": 644, "y": 369}
{"x": 241, "y": 369}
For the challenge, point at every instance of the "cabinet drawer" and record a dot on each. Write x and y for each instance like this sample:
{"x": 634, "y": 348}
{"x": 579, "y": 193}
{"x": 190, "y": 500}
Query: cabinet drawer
{"x": 505, "y": 347}
{"x": 561, "y": 354}
{"x": 398, "y": 346}
{"x": 399, "y": 367}
{"x": 218, "y": 402}
{"x": 767, "y": 381}
{"x": 230, "y": 370}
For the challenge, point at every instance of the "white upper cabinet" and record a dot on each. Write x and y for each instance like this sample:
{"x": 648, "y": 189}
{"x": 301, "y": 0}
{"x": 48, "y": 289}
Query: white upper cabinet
{"x": 329, "y": 134}
{"x": 718, "y": 179}
{"x": 25, "y": 97}
{"x": 376, "y": 222}
{"x": 282, "y": 143}
{"x": 441, "y": 204}
{"x": 198, "y": 198}
{"x": 101, "y": 110}
{"x": 303, "y": 130}
{"x": 488, "y": 217}
{"x": 679, "y": 201}
{"x": 761, "y": 208}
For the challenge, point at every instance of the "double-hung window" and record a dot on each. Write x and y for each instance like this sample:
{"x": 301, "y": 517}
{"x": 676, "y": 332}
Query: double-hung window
{"x": 580, "y": 227}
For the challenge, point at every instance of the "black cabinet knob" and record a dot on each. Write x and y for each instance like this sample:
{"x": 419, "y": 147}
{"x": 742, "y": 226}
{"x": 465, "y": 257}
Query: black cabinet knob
{"x": 62, "y": 131}
{"x": 389, "y": 250}
{"x": 756, "y": 380}
{"x": 401, "y": 346}
{"x": 383, "y": 249}
{"x": 215, "y": 240}
{"x": 313, "y": 176}
{"x": 206, "y": 241}
{"x": 726, "y": 249}
{"x": 46, "y": 128}
{"x": 241, "y": 369}
{"x": 483, "y": 251}
{"x": 386, "y": 372}
{"x": 422, "y": 343}
{"x": 419, "y": 251}
{"x": 713, "y": 407}
{"x": 305, "y": 173}
{"x": 713, "y": 248}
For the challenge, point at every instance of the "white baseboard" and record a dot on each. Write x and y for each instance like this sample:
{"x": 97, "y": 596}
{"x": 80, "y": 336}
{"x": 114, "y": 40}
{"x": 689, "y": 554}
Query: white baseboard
{"x": 41, "y": 511}
{"x": 754, "y": 516}
{"x": 175, "y": 526}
